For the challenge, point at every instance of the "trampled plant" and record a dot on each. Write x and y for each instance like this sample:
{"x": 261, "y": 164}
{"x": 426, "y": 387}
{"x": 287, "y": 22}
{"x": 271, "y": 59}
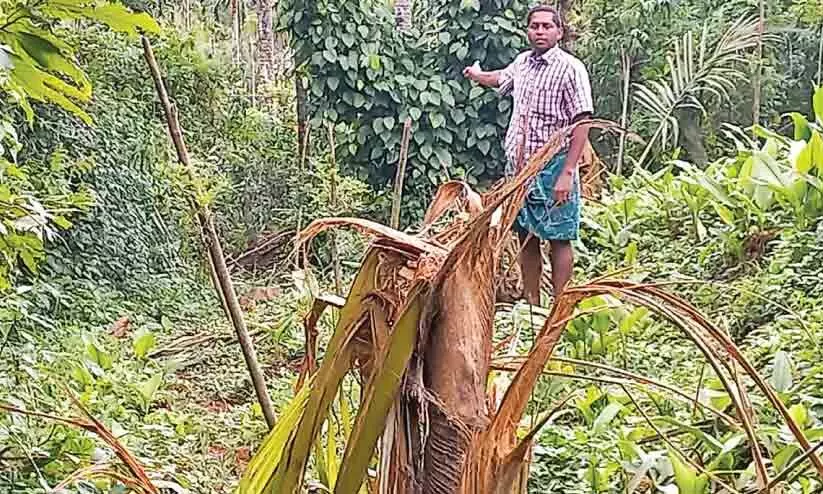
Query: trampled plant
{"x": 416, "y": 330}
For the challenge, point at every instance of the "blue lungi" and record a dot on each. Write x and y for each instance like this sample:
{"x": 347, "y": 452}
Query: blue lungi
{"x": 540, "y": 215}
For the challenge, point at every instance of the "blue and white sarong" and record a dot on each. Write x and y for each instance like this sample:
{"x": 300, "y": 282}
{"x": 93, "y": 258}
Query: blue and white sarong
{"x": 539, "y": 214}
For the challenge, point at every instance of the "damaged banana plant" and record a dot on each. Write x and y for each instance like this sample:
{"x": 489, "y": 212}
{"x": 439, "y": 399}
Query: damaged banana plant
{"x": 416, "y": 330}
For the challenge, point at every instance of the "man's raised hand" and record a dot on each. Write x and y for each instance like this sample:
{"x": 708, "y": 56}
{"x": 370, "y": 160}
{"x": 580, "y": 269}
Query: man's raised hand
{"x": 473, "y": 71}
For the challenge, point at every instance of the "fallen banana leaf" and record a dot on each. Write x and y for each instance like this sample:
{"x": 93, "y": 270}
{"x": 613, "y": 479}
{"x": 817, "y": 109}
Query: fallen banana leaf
{"x": 288, "y": 476}
{"x": 257, "y": 477}
{"x": 380, "y": 393}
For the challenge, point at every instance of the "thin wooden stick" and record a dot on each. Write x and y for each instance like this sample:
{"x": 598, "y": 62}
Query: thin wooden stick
{"x": 400, "y": 176}
{"x": 215, "y": 250}
{"x": 304, "y": 150}
{"x": 820, "y": 57}
{"x": 758, "y": 73}
{"x": 335, "y": 255}
{"x": 624, "y": 115}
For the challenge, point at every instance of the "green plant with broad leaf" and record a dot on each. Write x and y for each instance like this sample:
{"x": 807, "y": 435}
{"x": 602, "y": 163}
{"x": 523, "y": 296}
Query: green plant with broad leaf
{"x": 36, "y": 202}
{"x": 37, "y": 62}
{"x": 367, "y": 78}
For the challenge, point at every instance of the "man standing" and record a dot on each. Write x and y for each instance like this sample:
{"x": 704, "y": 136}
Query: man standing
{"x": 551, "y": 90}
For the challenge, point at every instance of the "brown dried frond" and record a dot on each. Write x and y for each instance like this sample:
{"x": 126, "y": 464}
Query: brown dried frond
{"x": 138, "y": 480}
{"x": 591, "y": 173}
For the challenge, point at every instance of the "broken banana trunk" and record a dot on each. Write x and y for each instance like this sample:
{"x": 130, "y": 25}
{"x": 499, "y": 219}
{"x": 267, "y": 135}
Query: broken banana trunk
{"x": 416, "y": 331}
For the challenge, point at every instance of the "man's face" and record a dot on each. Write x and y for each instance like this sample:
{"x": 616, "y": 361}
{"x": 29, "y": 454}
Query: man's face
{"x": 543, "y": 31}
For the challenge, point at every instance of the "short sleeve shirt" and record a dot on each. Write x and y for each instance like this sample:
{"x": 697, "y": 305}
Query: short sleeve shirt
{"x": 549, "y": 91}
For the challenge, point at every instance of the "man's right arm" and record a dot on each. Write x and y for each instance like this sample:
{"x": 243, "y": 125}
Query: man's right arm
{"x": 503, "y": 79}
{"x": 478, "y": 75}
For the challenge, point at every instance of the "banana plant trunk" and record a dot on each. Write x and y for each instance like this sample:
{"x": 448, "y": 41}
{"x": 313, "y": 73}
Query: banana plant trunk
{"x": 455, "y": 367}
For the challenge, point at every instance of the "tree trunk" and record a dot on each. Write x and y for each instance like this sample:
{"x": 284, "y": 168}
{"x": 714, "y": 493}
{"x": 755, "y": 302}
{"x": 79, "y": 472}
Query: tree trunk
{"x": 691, "y": 135}
{"x": 301, "y": 100}
{"x": 626, "y": 72}
{"x": 234, "y": 11}
{"x": 820, "y": 57}
{"x": 402, "y": 14}
{"x": 265, "y": 48}
{"x": 252, "y": 72}
{"x": 756, "y": 81}
{"x": 187, "y": 14}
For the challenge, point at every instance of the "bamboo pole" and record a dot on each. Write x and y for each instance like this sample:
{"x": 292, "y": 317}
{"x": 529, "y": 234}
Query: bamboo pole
{"x": 820, "y": 57}
{"x": 301, "y": 255}
{"x": 234, "y": 9}
{"x": 400, "y": 175}
{"x": 756, "y": 80}
{"x": 625, "y": 65}
{"x": 225, "y": 287}
{"x": 335, "y": 255}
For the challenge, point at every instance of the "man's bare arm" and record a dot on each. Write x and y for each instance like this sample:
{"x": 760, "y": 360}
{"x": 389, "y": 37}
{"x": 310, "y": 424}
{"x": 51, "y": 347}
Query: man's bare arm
{"x": 563, "y": 186}
{"x": 580, "y": 135}
{"x": 480, "y": 76}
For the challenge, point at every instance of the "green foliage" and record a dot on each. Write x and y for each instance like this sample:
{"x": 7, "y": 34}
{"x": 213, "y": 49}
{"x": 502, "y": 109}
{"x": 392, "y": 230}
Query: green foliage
{"x": 36, "y": 201}
{"x": 743, "y": 198}
{"x": 41, "y": 65}
{"x": 368, "y": 78}
{"x": 687, "y": 478}
{"x": 748, "y": 225}
{"x": 134, "y": 232}
{"x": 143, "y": 342}
{"x": 744, "y": 270}
{"x": 645, "y": 30}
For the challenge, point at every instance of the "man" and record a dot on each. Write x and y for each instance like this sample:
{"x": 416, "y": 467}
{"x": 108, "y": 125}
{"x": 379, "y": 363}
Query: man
{"x": 551, "y": 90}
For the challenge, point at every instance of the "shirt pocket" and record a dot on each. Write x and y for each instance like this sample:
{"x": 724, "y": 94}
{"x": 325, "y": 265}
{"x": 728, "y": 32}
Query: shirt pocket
{"x": 547, "y": 104}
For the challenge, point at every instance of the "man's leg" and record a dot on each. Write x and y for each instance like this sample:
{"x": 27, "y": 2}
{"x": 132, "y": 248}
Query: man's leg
{"x": 531, "y": 266}
{"x": 562, "y": 257}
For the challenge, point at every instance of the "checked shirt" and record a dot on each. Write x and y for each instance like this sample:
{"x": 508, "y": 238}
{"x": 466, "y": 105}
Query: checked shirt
{"x": 549, "y": 91}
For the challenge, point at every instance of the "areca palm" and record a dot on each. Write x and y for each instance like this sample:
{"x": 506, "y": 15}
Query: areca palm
{"x": 696, "y": 69}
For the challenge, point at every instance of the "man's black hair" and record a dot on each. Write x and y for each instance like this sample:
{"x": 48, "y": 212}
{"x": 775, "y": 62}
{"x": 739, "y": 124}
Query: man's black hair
{"x": 558, "y": 19}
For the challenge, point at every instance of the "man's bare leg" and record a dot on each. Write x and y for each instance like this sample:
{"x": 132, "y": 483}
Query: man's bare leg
{"x": 562, "y": 257}
{"x": 531, "y": 267}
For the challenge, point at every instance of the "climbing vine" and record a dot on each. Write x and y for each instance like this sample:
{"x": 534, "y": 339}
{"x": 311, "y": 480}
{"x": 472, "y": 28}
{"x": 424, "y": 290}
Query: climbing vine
{"x": 367, "y": 78}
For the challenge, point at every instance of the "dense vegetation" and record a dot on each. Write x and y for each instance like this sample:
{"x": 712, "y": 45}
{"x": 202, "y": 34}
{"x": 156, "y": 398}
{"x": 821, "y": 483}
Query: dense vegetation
{"x": 105, "y": 292}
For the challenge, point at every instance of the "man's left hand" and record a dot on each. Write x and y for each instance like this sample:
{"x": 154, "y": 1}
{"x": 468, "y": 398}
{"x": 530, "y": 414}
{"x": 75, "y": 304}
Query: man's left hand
{"x": 563, "y": 187}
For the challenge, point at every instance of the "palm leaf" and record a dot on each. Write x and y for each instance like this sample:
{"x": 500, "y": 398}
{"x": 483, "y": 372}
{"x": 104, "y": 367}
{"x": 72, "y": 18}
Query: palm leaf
{"x": 288, "y": 475}
{"x": 693, "y": 73}
{"x": 380, "y": 394}
{"x": 258, "y": 473}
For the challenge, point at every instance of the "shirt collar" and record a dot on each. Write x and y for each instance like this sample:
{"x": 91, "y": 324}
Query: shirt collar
{"x": 547, "y": 55}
